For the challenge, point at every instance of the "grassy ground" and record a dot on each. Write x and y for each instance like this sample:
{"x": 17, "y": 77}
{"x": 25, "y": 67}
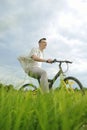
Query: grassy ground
{"x": 58, "y": 110}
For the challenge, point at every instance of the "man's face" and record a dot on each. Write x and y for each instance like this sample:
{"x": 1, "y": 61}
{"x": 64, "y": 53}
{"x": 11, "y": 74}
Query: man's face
{"x": 43, "y": 44}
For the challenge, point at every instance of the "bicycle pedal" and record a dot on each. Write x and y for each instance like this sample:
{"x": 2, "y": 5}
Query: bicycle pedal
{"x": 34, "y": 92}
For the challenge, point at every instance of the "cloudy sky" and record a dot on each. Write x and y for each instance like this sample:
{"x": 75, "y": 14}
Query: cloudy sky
{"x": 24, "y": 22}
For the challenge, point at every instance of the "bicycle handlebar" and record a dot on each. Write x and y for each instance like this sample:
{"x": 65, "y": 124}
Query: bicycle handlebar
{"x": 61, "y": 61}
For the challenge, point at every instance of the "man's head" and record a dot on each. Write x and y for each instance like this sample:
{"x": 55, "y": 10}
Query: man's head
{"x": 42, "y": 43}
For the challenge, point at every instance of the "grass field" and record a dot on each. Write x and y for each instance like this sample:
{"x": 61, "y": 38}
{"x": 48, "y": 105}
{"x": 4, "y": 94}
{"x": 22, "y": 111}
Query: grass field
{"x": 57, "y": 110}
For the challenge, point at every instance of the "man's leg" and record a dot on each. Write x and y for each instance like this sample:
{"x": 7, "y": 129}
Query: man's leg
{"x": 37, "y": 72}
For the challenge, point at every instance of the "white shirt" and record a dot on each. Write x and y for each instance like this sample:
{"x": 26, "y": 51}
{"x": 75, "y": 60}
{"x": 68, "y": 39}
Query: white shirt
{"x": 27, "y": 62}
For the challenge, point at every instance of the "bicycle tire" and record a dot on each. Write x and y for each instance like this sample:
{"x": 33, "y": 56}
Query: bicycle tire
{"x": 79, "y": 84}
{"x": 29, "y": 86}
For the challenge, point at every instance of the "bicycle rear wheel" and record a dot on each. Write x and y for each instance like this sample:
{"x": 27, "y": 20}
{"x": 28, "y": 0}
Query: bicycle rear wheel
{"x": 74, "y": 84}
{"x": 27, "y": 87}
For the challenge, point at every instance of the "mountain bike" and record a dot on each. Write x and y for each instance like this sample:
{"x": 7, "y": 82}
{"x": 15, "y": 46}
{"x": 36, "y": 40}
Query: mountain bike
{"x": 69, "y": 82}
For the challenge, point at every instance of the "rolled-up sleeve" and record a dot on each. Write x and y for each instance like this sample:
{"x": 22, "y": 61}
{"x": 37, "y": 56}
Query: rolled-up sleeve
{"x": 33, "y": 52}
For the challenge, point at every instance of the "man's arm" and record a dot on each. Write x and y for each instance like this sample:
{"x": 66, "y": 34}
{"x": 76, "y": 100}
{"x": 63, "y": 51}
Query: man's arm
{"x": 36, "y": 58}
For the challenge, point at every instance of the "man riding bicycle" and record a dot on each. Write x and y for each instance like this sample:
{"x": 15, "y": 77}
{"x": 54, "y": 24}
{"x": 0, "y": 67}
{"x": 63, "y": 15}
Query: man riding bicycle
{"x": 33, "y": 64}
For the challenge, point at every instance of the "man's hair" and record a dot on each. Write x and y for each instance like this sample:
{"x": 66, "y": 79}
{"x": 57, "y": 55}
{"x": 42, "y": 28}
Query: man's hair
{"x": 41, "y": 39}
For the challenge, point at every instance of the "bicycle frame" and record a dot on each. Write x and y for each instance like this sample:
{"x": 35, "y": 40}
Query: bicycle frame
{"x": 68, "y": 81}
{"x": 51, "y": 81}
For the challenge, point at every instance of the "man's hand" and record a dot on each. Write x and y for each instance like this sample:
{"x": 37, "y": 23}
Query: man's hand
{"x": 49, "y": 61}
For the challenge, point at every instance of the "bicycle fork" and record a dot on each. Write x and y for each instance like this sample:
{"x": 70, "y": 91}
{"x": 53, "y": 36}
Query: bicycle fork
{"x": 64, "y": 83}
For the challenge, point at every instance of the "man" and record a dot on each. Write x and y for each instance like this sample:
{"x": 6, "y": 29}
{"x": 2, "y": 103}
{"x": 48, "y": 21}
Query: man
{"x": 33, "y": 67}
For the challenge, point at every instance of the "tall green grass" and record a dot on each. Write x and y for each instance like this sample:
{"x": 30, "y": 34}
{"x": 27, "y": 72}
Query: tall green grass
{"x": 57, "y": 110}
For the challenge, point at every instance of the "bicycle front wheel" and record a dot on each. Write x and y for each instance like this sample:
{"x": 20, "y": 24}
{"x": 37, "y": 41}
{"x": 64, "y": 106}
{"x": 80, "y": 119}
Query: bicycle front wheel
{"x": 74, "y": 84}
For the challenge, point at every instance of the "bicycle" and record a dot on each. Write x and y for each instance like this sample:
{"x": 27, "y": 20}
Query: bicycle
{"x": 69, "y": 82}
